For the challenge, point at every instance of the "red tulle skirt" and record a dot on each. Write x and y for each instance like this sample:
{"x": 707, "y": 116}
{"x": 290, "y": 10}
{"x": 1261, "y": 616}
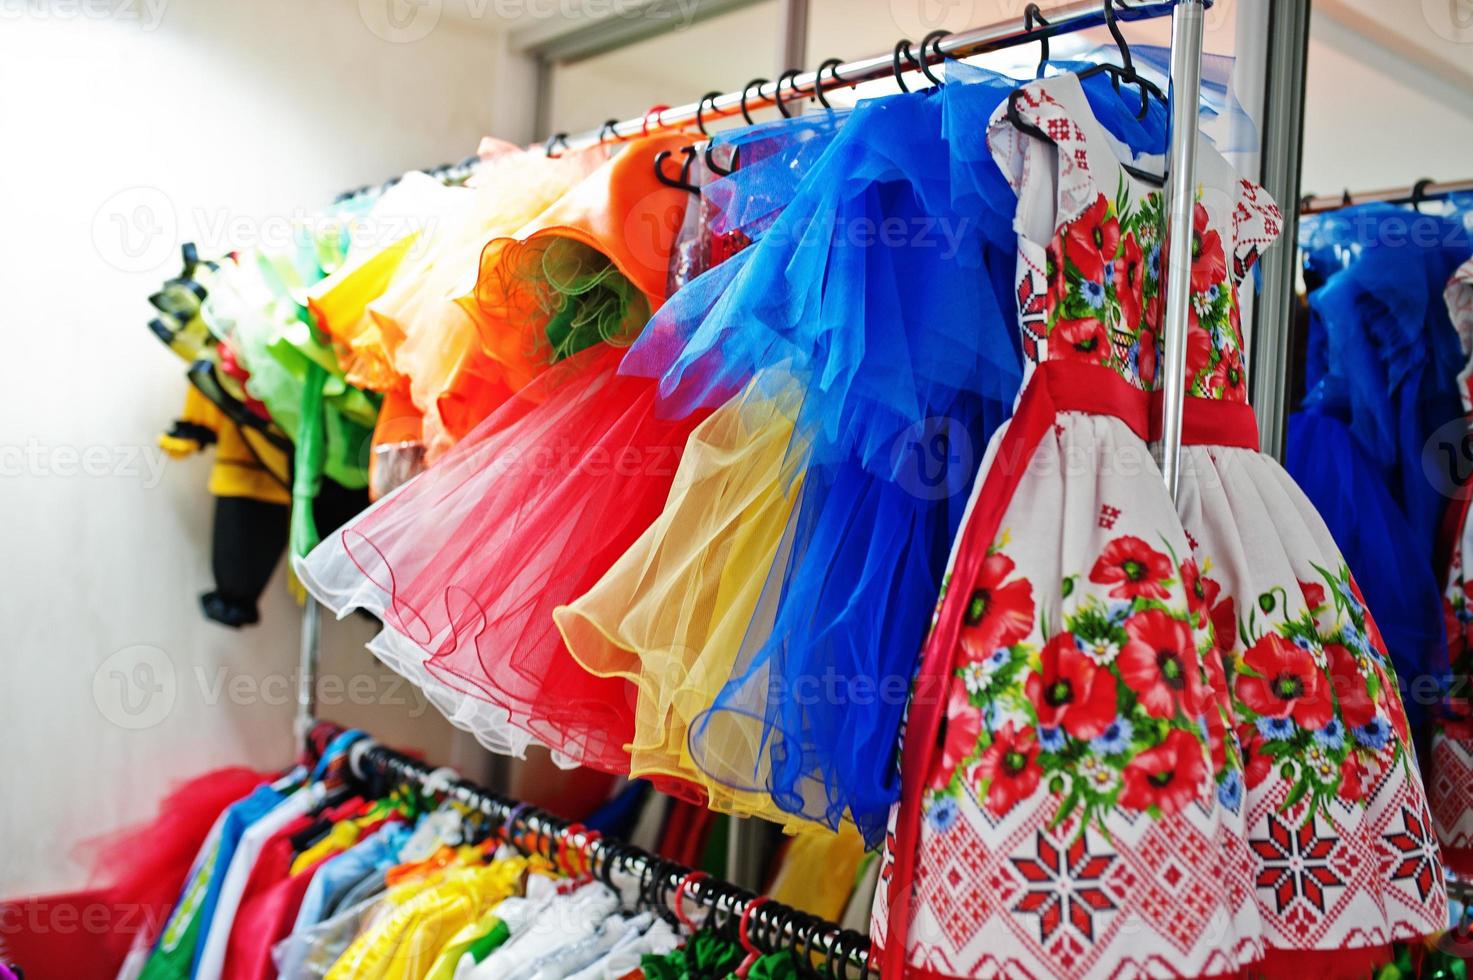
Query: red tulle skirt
{"x": 465, "y": 563}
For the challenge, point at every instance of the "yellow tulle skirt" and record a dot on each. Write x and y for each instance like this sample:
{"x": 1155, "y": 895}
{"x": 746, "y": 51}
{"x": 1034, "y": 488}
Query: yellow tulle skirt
{"x": 673, "y": 613}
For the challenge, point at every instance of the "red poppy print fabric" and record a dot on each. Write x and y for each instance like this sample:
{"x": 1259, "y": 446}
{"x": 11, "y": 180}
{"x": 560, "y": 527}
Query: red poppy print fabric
{"x": 1333, "y": 804}
{"x": 1102, "y": 268}
{"x": 1452, "y": 731}
{"x": 1172, "y": 742}
{"x": 1085, "y": 747}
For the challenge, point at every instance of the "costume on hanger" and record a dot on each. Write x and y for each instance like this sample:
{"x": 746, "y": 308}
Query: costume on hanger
{"x": 889, "y": 378}
{"x": 466, "y": 563}
{"x": 432, "y": 339}
{"x": 671, "y": 613}
{"x": 1452, "y": 728}
{"x": 1145, "y": 736}
{"x": 1380, "y": 373}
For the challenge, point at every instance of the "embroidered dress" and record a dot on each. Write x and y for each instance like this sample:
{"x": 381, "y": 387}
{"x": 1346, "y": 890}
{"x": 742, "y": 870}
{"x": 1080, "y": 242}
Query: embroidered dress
{"x": 1144, "y": 744}
{"x": 1452, "y": 730}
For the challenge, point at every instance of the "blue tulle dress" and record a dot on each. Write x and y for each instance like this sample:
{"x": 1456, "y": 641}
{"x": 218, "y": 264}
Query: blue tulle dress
{"x": 885, "y": 287}
{"x": 1380, "y": 376}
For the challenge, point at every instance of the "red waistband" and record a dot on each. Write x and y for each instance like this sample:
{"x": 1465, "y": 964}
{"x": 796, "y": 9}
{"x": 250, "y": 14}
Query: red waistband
{"x": 1097, "y": 390}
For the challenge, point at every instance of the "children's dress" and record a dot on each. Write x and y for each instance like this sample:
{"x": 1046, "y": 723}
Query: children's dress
{"x": 1145, "y": 739}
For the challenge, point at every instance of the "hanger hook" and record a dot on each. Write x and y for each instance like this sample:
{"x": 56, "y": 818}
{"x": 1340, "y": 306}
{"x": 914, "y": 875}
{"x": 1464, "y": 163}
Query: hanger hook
{"x": 902, "y": 45}
{"x": 607, "y": 131}
{"x": 683, "y": 184}
{"x": 832, "y": 64}
{"x": 745, "y": 936}
{"x": 711, "y": 163}
{"x": 655, "y": 111}
{"x": 1114, "y": 27}
{"x": 1032, "y": 19}
{"x": 932, "y": 40}
{"x": 746, "y": 91}
{"x": 553, "y": 141}
{"x": 693, "y": 878}
{"x": 710, "y": 97}
{"x": 787, "y": 76}
{"x": 1419, "y": 193}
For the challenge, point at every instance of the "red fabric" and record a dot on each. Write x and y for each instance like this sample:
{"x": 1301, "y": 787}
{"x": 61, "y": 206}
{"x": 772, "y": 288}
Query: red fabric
{"x": 1054, "y": 387}
{"x": 1211, "y": 422}
{"x": 63, "y": 937}
{"x": 269, "y": 920}
{"x": 263, "y": 903}
{"x": 524, "y": 514}
{"x": 139, "y": 873}
{"x": 1078, "y": 384}
{"x": 1458, "y": 860}
{"x": 1336, "y": 964}
{"x": 687, "y": 827}
{"x": 920, "y": 973}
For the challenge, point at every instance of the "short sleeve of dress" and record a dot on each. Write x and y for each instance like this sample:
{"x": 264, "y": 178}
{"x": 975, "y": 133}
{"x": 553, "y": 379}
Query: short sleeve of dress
{"x": 1459, "y": 297}
{"x": 1034, "y": 168}
{"x": 1257, "y": 222}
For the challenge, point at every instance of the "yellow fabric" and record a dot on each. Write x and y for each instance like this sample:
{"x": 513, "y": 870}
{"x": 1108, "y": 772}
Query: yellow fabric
{"x": 432, "y": 339}
{"x": 449, "y": 956}
{"x": 674, "y": 611}
{"x": 340, "y": 305}
{"x": 818, "y": 873}
{"x": 342, "y": 836}
{"x": 405, "y": 943}
{"x": 246, "y": 464}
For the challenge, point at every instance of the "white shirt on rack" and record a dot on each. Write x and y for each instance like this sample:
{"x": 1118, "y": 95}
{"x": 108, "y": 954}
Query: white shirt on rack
{"x": 563, "y": 921}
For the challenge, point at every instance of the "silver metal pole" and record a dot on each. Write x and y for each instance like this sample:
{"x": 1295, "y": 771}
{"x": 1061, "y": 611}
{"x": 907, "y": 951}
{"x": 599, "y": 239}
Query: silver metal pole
{"x": 792, "y": 37}
{"x": 1283, "y": 138}
{"x": 1181, "y": 195}
{"x": 1390, "y": 195}
{"x": 1069, "y": 18}
{"x": 307, "y": 668}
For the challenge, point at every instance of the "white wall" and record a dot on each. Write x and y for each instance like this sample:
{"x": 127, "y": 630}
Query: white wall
{"x": 246, "y": 111}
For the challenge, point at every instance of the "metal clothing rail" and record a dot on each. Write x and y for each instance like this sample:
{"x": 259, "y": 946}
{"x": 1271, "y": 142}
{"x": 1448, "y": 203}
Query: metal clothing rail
{"x": 772, "y": 926}
{"x": 1181, "y": 199}
{"x": 1423, "y": 190}
{"x": 792, "y": 86}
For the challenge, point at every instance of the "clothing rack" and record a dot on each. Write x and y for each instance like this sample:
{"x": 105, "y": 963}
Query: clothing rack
{"x": 779, "y": 926}
{"x": 1422, "y": 190}
{"x": 774, "y": 926}
{"x": 1186, "y": 77}
{"x": 933, "y": 50}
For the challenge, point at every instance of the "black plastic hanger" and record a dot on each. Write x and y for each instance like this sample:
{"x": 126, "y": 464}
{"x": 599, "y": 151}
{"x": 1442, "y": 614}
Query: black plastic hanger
{"x": 683, "y": 184}
{"x": 787, "y": 76}
{"x": 930, "y": 40}
{"x": 710, "y": 97}
{"x": 1419, "y": 193}
{"x": 1125, "y": 74}
{"x": 1033, "y": 18}
{"x": 832, "y": 64}
{"x": 746, "y": 91}
{"x": 902, "y": 45}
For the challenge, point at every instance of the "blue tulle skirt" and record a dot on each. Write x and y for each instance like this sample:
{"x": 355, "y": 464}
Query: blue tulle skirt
{"x": 885, "y": 286}
{"x": 1381, "y": 378}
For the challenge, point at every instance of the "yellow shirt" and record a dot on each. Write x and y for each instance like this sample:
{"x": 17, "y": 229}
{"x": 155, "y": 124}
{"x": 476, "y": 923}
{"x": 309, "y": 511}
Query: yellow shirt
{"x": 406, "y": 944}
{"x": 246, "y": 464}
